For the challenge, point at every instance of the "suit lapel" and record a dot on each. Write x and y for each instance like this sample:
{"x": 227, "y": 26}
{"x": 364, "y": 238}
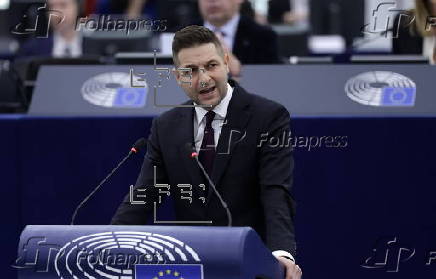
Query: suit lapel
{"x": 232, "y": 132}
{"x": 241, "y": 41}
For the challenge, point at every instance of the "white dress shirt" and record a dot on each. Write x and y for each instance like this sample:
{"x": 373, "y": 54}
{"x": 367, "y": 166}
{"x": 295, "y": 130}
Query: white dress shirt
{"x": 228, "y": 29}
{"x": 300, "y": 7}
{"x": 60, "y": 46}
{"x": 217, "y": 123}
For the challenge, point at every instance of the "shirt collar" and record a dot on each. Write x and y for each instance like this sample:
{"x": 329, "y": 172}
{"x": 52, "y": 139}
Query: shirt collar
{"x": 59, "y": 44}
{"x": 77, "y": 40}
{"x": 229, "y": 28}
{"x": 220, "y": 109}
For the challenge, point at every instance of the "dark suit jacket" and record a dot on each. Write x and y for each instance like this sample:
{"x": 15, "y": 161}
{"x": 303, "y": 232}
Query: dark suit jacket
{"x": 36, "y": 47}
{"x": 254, "y": 181}
{"x": 406, "y": 43}
{"x": 254, "y": 43}
{"x": 276, "y": 10}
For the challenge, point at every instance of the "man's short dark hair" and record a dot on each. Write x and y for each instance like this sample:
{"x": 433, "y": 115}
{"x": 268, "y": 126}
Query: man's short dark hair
{"x": 192, "y": 36}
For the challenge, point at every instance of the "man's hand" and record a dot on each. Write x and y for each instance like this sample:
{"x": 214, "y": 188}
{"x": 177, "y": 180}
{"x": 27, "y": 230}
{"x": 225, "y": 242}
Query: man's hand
{"x": 292, "y": 271}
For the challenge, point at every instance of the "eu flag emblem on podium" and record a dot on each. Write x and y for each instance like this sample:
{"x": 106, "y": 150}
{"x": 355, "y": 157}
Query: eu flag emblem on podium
{"x": 130, "y": 97}
{"x": 398, "y": 96}
{"x": 169, "y": 271}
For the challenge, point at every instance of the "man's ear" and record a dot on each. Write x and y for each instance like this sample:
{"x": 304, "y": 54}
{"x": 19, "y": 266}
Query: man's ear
{"x": 226, "y": 60}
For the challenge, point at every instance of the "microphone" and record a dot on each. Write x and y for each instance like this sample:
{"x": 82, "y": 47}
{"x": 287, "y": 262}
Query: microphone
{"x": 139, "y": 144}
{"x": 194, "y": 155}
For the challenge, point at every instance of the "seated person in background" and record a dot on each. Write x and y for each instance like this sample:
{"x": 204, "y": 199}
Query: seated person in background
{"x": 280, "y": 11}
{"x": 246, "y": 41}
{"x": 298, "y": 11}
{"x": 65, "y": 41}
{"x": 277, "y": 10}
{"x": 177, "y": 13}
{"x": 131, "y": 8}
{"x": 417, "y": 37}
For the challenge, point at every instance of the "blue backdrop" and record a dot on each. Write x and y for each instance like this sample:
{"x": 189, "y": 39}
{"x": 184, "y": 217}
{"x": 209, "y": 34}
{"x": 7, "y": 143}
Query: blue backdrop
{"x": 372, "y": 196}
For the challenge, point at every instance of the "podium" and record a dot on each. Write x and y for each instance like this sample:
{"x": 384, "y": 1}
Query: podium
{"x": 144, "y": 252}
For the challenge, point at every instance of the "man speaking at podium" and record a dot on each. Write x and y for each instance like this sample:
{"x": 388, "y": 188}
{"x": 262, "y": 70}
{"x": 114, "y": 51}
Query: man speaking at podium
{"x": 236, "y": 135}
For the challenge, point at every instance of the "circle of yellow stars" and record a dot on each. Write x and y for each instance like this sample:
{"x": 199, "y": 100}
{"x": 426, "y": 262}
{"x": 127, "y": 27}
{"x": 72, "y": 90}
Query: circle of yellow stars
{"x": 168, "y": 272}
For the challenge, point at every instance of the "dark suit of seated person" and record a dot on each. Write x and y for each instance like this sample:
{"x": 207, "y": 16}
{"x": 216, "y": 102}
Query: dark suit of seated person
{"x": 415, "y": 35}
{"x": 65, "y": 41}
{"x": 231, "y": 133}
{"x": 247, "y": 41}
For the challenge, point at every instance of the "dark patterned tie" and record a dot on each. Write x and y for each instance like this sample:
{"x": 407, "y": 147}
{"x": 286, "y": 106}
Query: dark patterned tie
{"x": 219, "y": 32}
{"x": 207, "y": 151}
{"x": 67, "y": 51}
